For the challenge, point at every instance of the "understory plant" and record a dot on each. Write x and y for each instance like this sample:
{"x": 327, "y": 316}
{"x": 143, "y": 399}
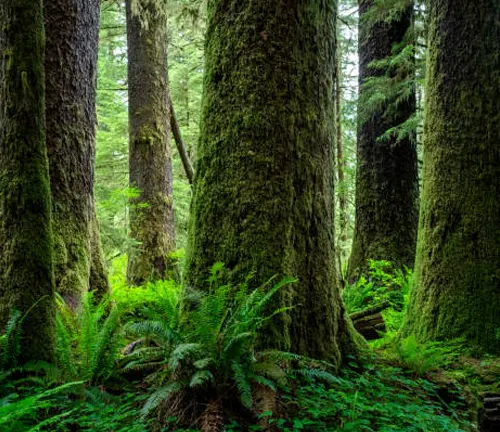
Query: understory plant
{"x": 383, "y": 282}
{"x": 200, "y": 352}
{"x": 88, "y": 340}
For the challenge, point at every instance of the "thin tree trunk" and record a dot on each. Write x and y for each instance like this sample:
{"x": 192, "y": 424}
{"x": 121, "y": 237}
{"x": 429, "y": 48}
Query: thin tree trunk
{"x": 456, "y": 288}
{"x": 71, "y": 64}
{"x": 152, "y": 219}
{"x": 263, "y": 195}
{"x": 181, "y": 147}
{"x": 387, "y": 172}
{"x": 26, "y": 266}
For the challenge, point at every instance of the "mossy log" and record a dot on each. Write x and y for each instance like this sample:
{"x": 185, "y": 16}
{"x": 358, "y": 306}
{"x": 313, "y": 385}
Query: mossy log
{"x": 370, "y": 322}
{"x": 489, "y": 415}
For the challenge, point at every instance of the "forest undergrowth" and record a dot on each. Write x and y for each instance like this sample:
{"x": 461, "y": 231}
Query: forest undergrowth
{"x": 161, "y": 358}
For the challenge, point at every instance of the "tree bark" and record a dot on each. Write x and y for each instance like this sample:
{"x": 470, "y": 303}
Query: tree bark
{"x": 387, "y": 173}
{"x": 181, "y": 147}
{"x": 263, "y": 194}
{"x": 341, "y": 193}
{"x": 72, "y": 28}
{"x": 150, "y": 156}
{"x": 26, "y": 266}
{"x": 456, "y": 289}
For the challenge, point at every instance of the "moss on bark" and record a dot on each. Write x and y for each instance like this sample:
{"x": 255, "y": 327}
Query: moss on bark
{"x": 150, "y": 155}
{"x": 387, "y": 172}
{"x": 263, "y": 194}
{"x": 26, "y": 266}
{"x": 71, "y": 70}
{"x": 456, "y": 291}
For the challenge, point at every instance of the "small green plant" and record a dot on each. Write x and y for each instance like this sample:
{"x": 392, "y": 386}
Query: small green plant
{"x": 88, "y": 340}
{"x": 378, "y": 398}
{"x": 421, "y": 358}
{"x": 23, "y": 413}
{"x": 10, "y": 341}
{"x": 382, "y": 283}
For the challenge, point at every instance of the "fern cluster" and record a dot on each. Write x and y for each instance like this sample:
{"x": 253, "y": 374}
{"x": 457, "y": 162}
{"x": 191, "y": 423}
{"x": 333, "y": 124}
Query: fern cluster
{"x": 205, "y": 346}
{"x": 383, "y": 282}
{"x": 88, "y": 341}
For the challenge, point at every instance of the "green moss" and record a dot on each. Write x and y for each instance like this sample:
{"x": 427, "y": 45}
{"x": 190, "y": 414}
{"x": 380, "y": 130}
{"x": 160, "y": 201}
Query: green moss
{"x": 456, "y": 290}
{"x": 263, "y": 192}
{"x": 26, "y": 259}
{"x": 152, "y": 219}
{"x": 387, "y": 172}
{"x": 71, "y": 143}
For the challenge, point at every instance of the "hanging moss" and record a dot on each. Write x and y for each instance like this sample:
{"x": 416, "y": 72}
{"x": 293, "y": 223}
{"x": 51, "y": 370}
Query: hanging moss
{"x": 263, "y": 194}
{"x": 26, "y": 267}
{"x": 456, "y": 291}
{"x": 72, "y": 38}
{"x": 387, "y": 172}
{"x": 150, "y": 155}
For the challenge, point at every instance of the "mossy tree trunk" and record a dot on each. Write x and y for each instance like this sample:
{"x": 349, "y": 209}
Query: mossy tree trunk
{"x": 343, "y": 225}
{"x": 263, "y": 194}
{"x": 456, "y": 290}
{"x": 72, "y": 28}
{"x": 387, "y": 172}
{"x": 26, "y": 266}
{"x": 152, "y": 221}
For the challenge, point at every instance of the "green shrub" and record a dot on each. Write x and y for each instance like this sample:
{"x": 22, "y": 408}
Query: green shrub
{"x": 88, "y": 340}
{"x": 207, "y": 354}
{"x": 382, "y": 283}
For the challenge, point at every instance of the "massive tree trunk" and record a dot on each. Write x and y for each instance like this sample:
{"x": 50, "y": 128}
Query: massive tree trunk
{"x": 263, "y": 194}
{"x": 26, "y": 267}
{"x": 387, "y": 172}
{"x": 456, "y": 290}
{"x": 152, "y": 222}
{"x": 71, "y": 70}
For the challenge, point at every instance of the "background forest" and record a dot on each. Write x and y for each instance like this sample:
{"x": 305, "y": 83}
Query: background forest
{"x": 239, "y": 215}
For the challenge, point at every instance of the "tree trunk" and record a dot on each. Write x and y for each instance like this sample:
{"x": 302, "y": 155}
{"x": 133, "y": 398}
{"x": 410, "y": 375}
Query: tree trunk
{"x": 263, "y": 194}
{"x": 150, "y": 156}
{"x": 179, "y": 142}
{"x": 26, "y": 266}
{"x": 387, "y": 172}
{"x": 456, "y": 290}
{"x": 341, "y": 193}
{"x": 71, "y": 70}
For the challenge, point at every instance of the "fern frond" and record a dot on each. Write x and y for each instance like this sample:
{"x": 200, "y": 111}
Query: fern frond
{"x": 159, "y": 396}
{"x": 259, "y": 379}
{"x": 242, "y": 384}
{"x": 183, "y": 352}
{"x": 201, "y": 377}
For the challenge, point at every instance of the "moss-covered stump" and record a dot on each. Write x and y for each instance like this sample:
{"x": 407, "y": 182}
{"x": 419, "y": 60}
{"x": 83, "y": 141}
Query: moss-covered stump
{"x": 456, "y": 290}
{"x": 263, "y": 193}
{"x": 26, "y": 267}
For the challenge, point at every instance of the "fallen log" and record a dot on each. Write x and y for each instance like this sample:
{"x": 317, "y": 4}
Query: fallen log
{"x": 489, "y": 414}
{"x": 370, "y": 322}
